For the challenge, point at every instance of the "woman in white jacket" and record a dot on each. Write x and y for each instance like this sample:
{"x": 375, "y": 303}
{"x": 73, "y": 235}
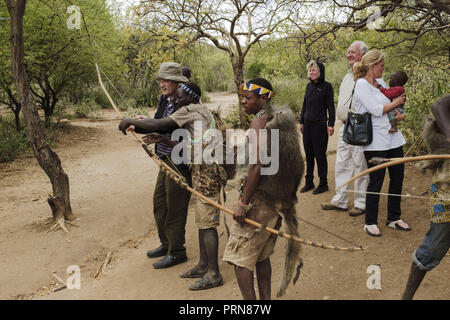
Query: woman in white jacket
{"x": 368, "y": 98}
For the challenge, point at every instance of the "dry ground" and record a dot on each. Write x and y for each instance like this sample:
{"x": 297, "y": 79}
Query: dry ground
{"x": 112, "y": 181}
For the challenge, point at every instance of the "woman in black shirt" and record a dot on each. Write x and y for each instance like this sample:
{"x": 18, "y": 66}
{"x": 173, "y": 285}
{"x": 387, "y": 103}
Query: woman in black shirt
{"x": 315, "y": 125}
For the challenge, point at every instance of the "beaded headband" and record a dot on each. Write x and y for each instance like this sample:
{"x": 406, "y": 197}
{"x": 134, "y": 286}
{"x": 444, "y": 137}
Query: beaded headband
{"x": 258, "y": 89}
{"x": 190, "y": 91}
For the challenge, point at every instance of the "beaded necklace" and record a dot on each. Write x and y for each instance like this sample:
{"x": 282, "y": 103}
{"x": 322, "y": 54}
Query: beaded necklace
{"x": 260, "y": 113}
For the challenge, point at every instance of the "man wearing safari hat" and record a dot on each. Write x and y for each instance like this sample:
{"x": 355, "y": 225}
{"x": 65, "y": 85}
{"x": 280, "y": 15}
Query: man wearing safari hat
{"x": 170, "y": 201}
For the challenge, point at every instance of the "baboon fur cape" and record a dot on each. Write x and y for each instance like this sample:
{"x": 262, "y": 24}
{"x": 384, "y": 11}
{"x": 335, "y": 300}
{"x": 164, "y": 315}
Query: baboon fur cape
{"x": 280, "y": 189}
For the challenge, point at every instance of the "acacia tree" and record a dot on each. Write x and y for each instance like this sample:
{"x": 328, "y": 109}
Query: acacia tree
{"x": 48, "y": 160}
{"x": 406, "y": 20}
{"x": 61, "y": 60}
{"x": 233, "y": 26}
{"x": 143, "y": 51}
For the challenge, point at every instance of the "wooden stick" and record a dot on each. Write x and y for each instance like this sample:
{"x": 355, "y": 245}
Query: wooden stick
{"x": 54, "y": 275}
{"x": 107, "y": 260}
{"x": 410, "y": 148}
{"x": 102, "y": 267}
{"x": 271, "y": 230}
{"x": 60, "y": 288}
{"x": 98, "y": 272}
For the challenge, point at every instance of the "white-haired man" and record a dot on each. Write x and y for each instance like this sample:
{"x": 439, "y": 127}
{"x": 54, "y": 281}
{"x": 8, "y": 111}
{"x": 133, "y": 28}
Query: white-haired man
{"x": 349, "y": 159}
{"x": 170, "y": 201}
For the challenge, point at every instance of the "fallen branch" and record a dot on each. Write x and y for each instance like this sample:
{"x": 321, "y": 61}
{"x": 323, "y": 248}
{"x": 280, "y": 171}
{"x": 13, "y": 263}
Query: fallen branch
{"x": 60, "y": 288}
{"x": 102, "y": 268}
{"x": 54, "y": 275}
{"x": 64, "y": 286}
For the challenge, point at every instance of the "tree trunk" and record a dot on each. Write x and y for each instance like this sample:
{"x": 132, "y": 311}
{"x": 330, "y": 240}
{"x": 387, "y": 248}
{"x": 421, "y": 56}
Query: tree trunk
{"x": 238, "y": 80}
{"x": 14, "y": 105}
{"x": 16, "y": 112}
{"x": 48, "y": 160}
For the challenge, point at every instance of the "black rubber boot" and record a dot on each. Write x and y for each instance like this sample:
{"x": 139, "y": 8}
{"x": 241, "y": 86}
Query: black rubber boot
{"x": 416, "y": 276}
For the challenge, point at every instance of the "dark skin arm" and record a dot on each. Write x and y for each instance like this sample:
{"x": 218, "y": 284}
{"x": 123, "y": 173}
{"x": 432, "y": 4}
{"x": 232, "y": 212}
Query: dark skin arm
{"x": 441, "y": 112}
{"x": 254, "y": 173}
{"x": 158, "y": 137}
{"x": 148, "y": 125}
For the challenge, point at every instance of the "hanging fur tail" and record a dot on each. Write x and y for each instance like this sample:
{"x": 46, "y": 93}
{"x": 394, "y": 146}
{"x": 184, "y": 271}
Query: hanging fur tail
{"x": 292, "y": 250}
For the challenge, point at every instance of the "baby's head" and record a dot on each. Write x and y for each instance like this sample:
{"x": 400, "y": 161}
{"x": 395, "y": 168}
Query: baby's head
{"x": 398, "y": 79}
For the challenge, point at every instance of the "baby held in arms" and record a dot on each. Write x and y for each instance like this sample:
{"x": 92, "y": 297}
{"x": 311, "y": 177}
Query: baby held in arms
{"x": 396, "y": 83}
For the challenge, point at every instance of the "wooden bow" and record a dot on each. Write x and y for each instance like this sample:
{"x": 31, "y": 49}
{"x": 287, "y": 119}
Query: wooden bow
{"x": 180, "y": 180}
{"x": 394, "y": 162}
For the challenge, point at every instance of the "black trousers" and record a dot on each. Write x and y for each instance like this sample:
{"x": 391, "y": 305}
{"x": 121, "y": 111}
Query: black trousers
{"x": 170, "y": 208}
{"x": 315, "y": 143}
{"x": 396, "y": 174}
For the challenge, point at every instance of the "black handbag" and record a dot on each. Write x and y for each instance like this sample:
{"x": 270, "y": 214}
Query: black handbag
{"x": 358, "y": 127}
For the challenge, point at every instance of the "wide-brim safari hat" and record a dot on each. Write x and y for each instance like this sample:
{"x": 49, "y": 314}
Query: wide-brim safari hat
{"x": 171, "y": 71}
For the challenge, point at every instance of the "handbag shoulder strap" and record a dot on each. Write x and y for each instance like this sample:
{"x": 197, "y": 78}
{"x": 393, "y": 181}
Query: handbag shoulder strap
{"x": 351, "y": 98}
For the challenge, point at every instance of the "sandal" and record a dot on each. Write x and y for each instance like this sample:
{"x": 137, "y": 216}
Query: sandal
{"x": 373, "y": 231}
{"x": 330, "y": 206}
{"x": 192, "y": 273}
{"x": 205, "y": 283}
{"x": 395, "y": 225}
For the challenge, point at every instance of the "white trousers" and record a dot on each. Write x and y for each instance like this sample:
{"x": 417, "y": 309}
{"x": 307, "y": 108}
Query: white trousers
{"x": 349, "y": 162}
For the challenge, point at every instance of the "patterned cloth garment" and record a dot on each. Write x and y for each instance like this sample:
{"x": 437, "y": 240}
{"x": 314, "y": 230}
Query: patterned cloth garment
{"x": 440, "y": 193}
{"x": 208, "y": 179}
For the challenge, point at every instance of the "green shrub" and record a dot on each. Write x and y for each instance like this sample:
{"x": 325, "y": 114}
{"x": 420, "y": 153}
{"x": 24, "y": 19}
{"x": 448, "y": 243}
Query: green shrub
{"x": 147, "y": 96}
{"x": 126, "y": 103}
{"x": 87, "y": 108}
{"x": 12, "y": 142}
{"x": 289, "y": 92}
{"x": 100, "y": 99}
{"x": 426, "y": 84}
{"x": 254, "y": 70}
{"x": 133, "y": 112}
{"x": 205, "y": 97}
{"x": 62, "y": 110}
{"x": 211, "y": 69}
{"x": 232, "y": 118}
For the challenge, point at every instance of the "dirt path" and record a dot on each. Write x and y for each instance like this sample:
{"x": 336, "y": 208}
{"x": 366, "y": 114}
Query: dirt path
{"x": 112, "y": 181}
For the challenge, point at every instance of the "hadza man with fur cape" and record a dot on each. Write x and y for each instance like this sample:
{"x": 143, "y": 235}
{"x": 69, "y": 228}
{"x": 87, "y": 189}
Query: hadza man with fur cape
{"x": 265, "y": 196}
